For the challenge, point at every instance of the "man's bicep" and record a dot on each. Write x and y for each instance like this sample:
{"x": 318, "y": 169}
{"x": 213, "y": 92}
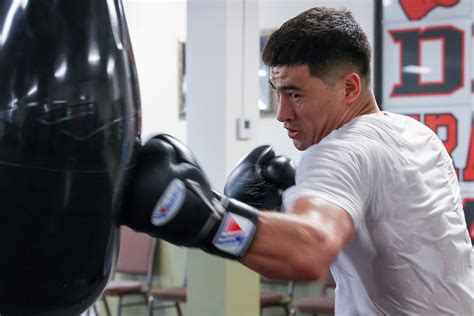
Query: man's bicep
{"x": 331, "y": 218}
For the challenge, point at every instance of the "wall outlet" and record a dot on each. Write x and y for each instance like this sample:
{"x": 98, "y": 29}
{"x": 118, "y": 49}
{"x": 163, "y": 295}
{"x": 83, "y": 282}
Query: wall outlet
{"x": 244, "y": 128}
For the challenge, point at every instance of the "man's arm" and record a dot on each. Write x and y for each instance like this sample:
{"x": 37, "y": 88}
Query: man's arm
{"x": 170, "y": 198}
{"x": 299, "y": 245}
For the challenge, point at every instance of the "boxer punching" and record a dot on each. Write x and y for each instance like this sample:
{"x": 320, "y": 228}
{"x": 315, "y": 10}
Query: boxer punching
{"x": 370, "y": 198}
{"x": 376, "y": 198}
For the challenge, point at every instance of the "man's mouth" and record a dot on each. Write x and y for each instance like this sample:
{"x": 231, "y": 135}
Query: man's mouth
{"x": 292, "y": 133}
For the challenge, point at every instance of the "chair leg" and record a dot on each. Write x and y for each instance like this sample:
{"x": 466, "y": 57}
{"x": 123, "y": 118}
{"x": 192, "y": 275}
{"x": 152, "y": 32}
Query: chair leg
{"x": 94, "y": 308}
{"x": 150, "y": 306}
{"x": 178, "y": 308}
{"x": 292, "y": 312}
{"x": 106, "y": 305}
{"x": 119, "y": 306}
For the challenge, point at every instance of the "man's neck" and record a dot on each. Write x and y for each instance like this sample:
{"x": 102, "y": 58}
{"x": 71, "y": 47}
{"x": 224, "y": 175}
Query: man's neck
{"x": 366, "y": 104}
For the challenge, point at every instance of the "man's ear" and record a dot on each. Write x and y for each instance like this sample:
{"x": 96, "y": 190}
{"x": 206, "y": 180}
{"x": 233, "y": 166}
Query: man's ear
{"x": 352, "y": 87}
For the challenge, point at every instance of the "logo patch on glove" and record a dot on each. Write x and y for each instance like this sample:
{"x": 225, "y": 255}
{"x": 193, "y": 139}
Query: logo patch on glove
{"x": 235, "y": 234}
{"x": 169, "y": 204}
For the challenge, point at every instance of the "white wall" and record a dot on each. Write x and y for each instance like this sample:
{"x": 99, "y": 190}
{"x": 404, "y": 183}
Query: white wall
{"x": 155, "y": 26}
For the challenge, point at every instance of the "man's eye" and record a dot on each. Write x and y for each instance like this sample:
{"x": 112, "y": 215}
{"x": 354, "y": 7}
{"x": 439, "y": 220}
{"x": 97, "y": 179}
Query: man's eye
{"x": 294, "y": 95}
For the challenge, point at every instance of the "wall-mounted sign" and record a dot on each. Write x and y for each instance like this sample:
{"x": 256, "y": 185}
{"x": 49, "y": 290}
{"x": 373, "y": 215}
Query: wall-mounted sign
{"x": 428, "y": 74}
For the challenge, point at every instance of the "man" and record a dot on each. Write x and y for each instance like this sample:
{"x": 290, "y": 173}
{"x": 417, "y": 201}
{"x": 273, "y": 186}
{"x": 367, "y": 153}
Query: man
{"x": 376, "y": 196}
{"x": 376, "y": 193}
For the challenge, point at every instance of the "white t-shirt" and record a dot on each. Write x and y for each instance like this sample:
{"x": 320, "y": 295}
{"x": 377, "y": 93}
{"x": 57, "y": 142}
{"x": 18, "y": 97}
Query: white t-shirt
{"x": 411, "y": 254}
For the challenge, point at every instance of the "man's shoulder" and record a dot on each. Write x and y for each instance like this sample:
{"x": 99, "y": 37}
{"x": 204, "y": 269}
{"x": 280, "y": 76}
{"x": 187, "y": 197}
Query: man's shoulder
{"x": 338, "y": 149}
{"x": 360, "y": 139}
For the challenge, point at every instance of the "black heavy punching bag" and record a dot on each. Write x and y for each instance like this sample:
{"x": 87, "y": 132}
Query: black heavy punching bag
{"x": 69, "y": 121}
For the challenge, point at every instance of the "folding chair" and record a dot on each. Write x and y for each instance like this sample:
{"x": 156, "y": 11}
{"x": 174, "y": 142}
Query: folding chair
{"x": 323, "y": 304}
{"x": 165, "y": 297}
{"x": 136, "y": 258}
{"x": 177, "y": 295}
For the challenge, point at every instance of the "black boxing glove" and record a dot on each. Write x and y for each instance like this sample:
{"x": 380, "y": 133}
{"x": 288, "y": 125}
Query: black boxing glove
{"x": 170, "y": 198}
{"x": 260, "y": 178}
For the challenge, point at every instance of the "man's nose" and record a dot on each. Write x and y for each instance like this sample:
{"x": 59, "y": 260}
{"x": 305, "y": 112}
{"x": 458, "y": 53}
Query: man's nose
{"x": 285, "y": 112}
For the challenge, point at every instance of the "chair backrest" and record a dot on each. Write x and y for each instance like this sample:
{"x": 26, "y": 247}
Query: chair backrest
{"x": 137, "y": 253}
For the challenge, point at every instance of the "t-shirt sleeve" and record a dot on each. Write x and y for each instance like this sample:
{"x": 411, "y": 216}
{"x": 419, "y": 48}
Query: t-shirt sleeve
{"x": 337, "y": 173}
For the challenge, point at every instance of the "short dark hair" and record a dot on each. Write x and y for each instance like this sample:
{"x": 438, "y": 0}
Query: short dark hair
{"x": 323, "y": 39}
